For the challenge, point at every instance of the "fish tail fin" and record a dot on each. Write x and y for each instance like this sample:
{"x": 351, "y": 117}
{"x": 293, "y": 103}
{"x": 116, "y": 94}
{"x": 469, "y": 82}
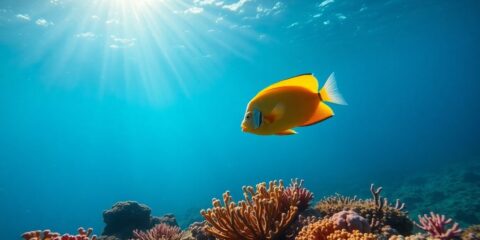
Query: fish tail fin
{"x": 330, "y": 93}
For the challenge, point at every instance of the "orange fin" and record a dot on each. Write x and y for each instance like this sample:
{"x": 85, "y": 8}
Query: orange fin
{"x": 287, "y": 132}
{"x": 322, "y": 112}
{"x": 306, "y": 80}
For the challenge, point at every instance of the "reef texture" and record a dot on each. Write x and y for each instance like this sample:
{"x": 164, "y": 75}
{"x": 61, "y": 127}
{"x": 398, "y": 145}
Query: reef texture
{"x": 377, "y": 210}
{"x": 328, "y": 229}
{"x": 265, "y": 213}
{"x": 471, "y": 233}
{"x": 49, "y": 235}
{"x": 275, "y": 212}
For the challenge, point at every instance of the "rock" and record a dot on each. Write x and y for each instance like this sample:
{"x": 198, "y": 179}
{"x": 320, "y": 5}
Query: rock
{"x": 168, "y": 219}
{"x": 124, "y": 217}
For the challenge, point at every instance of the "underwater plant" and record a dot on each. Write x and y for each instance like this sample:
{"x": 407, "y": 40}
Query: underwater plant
{"x": 49, "y": 235}
{"x": 377, "y": 210}
{"x": 159, "y": 232}
{"x": 436, "y": 226}
{"x": 262, "y": 215}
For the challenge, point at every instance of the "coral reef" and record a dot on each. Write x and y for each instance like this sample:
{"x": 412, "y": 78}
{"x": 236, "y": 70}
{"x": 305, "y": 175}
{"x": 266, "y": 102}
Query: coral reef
{"x": 198, "y": 231}
{"x": 275, "y": 212}
{"x": 49, "y": 235}
{"x": 296, "y": 192}
{"x": 262, "y": 215}
{"x": 159, "y": 232}
{"x": 124, "y": 217}
{"x": 326, "y": 229}
{"x": 436, "y": 226}
{"x": 377, "y": 210}
{"x": 471, "y": 233}
{"x": 350, "y": 220}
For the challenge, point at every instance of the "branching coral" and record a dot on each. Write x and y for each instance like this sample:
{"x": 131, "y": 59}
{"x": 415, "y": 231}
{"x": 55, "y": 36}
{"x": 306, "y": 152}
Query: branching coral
{"x": 296, "y": 193}
{"x": 159, "y": 232}
{"x": 261, "y": 216}
{"x": 49, "y": 235}
{"x": 377, "y": 210}
{"x": 436, "y": 226}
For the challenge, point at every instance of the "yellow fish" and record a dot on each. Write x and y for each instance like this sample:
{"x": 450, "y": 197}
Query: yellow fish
{"x": 294, "y": 102}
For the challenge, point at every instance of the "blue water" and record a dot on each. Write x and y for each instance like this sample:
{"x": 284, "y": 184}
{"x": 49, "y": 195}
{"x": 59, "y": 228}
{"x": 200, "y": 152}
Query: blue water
{"x": 103, "y": 101}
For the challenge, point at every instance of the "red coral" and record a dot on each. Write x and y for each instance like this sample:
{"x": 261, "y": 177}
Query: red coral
{"x": 160, "y": 231}
{"x": 436, "y": 224}
{"x": 295, "y": 192}
{"x": 49, "y": 235}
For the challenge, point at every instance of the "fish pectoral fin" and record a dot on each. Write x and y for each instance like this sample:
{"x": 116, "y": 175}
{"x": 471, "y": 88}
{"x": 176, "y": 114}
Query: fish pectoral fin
{"x": 322, "y": 112}
{"x": 286, "y": 132}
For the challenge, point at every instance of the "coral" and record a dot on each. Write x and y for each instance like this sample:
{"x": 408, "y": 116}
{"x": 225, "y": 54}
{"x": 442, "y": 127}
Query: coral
{"x": 296, "y": 192}
{"x": 48, "y": 235}
{"x": 350, "y": 220}
{"x": 198, "y": 231}
{"x": 124, "y": 217}
{"x": 262, "y": 215}
{"x": 435, "y": 225}
{"x": 354, "y": 235}
{"x": 411, "y": 237}
{"x": 159, "y": 232}
{"x": 301, "y": 221}
{"x": 326, "y": 229}
{"x": 317, "y": 231}
{"x": 377, "y": 210}
{"x": 471, "y": 233}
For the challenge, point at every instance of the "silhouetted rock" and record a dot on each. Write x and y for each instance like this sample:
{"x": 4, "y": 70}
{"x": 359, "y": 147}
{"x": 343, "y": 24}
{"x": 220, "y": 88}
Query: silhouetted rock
{"x": 124, "y": 217}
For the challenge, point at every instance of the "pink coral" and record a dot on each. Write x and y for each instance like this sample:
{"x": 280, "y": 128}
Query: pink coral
{"x": 48, "y": 235}
{"x": 436, "y": 224}
{"x": 159, "y": 232}
{"x": 350, "y": 221}
{"x": 296, "y": 192}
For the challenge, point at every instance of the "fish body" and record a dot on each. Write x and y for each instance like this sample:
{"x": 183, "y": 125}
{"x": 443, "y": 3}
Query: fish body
{"x": 290, "y": 103}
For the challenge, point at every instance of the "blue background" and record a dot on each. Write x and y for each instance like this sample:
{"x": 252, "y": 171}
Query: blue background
{"x": 84, "y": 124}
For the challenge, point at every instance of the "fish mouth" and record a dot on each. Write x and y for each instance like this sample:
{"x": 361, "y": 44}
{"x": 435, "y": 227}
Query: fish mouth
{"x": 244, "y": 129}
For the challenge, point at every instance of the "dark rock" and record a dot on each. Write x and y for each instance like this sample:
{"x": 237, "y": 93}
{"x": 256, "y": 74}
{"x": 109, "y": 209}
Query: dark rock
{"x": 124, "y": 217}
{"x": 168, "y": 219}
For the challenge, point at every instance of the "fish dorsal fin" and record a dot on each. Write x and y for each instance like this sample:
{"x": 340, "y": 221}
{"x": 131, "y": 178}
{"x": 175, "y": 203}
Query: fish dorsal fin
{"x": 276, "y": 113}
{"x": 286, "y": 132}
{"x": 306, "y": 80}
{"x": 322, "y": 112}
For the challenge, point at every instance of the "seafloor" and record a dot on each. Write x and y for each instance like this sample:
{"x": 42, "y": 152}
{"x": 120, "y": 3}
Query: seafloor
{"x": 442, "y": 204}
